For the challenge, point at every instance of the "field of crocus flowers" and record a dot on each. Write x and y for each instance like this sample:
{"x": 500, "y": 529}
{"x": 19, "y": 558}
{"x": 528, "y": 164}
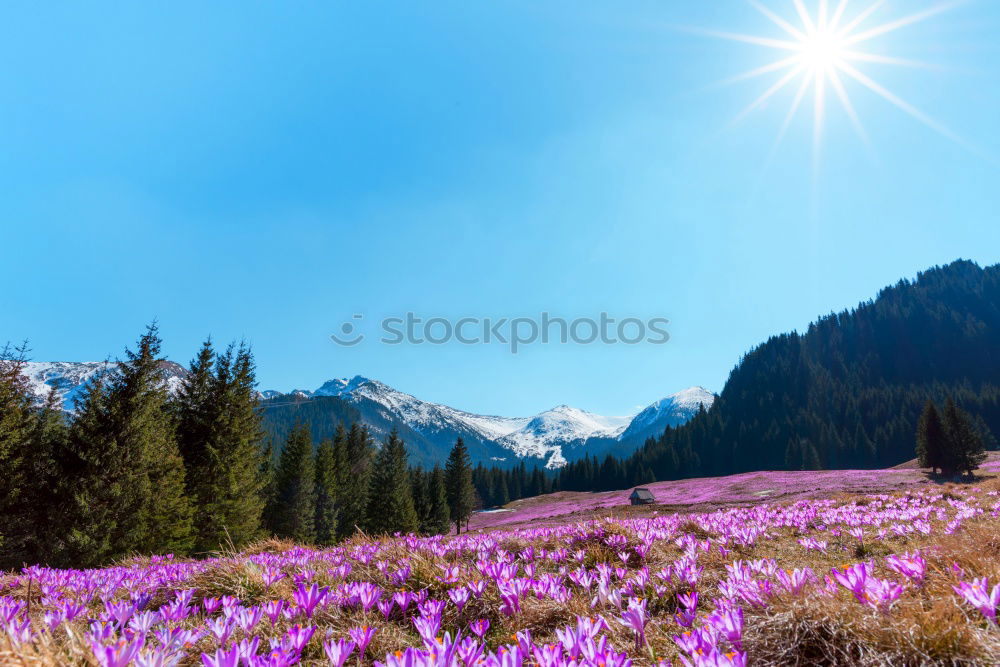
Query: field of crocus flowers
{"x": 903, "y": 578}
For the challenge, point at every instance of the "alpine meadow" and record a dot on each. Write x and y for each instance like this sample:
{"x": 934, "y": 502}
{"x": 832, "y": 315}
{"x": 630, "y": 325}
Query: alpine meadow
{"x": 500, "y": 334}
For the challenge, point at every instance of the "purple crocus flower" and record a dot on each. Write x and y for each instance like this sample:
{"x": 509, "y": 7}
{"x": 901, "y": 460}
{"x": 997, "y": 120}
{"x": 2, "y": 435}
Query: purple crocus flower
{"x": 729, "y": 623}
{"x": 427, "y": 627}
{"x": 912, "y": 566}
{"x": 480, "y": 627}
{"x": 309, "y": 598}
{"x": 222, "y": 658}
{"x": 459, "y": 596}
{"x": 220, "y": 628}
{"x": 362, "y": 637}
{"x": 297, "y": 637}
{"x": 979, "y": 595}
{"x": 686, "y": 617}
{"x": 118, "y": 654}
{"x": 273, "y": 610}
{"x": 270, "y": 576}
{"x": 338, "y": 651}
{"x": 386, "y": 605}
{"x": 477, "y": 587}
{"x": 402, "y": 599}
{"x": 636, "y": 617}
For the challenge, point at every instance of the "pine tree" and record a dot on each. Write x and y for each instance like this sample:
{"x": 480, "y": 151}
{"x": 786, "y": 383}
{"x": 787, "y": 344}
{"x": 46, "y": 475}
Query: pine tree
{"x": 15, "y": 425}
{"x": 193, "y": 407}
{"x": 931, "y": 438}
{"x": 458, "y": 482}
{"x": 326, "y": 490}
{"x": 502, "y": 496}
{"x": 354, "y": 473}
{"x": 268, "y": 473}
{"x": 421, "y": 499}
{"x": 29, "y": 441}
{"x": 965, "y": 451}
{"x": 48, "y": 441}
{"x": 294, "y": 511}
{"x": 101, "y": 484}
{"x": 439, "y": 518}
{"x": 15, "y": 403}
{"x": 390, "y": 503}
{"x": 219, "y": 433}
{"x": 793, "y": 454}
{"x": 124, "y": 473}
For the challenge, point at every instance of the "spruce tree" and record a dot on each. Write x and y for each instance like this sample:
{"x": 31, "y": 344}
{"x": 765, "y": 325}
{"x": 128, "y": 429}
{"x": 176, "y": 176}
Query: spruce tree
{"x": 219, "y": 432}
{"x": 193, "y": 408}
{"x": 965, "y": 446}
{"x": 101, "y": 484}
{"x": 439, "y": 514}
{"x": 390, "y": 500}
{"x": 931, "y": 438}
{"x": 124, "y": 474}
{"x": 326, "y": 490}
{"x": 15, "y": 425}
{"x": 501, "y": 496}
{"x": 268, "y": 473}
{"x": 15, "y": 403}
{"x": 29, "y": 441}
{"x": 294, "y": 511}
{"x": 458, "y": 483}
{"x": 48, "y": 441}
{"x": 354, "y": 470}
{"x": 419, "y": 480}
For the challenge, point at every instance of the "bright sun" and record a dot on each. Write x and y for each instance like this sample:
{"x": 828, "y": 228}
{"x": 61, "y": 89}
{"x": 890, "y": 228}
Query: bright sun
{"x": 822, "y": 50}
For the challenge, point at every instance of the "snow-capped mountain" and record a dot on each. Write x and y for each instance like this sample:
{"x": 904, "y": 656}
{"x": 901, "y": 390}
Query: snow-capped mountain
{"x": 673, "y": 410}
{"x": 553, "y": 436}
{"x": 547, "y": 433}
{"x": 70, "y": 378}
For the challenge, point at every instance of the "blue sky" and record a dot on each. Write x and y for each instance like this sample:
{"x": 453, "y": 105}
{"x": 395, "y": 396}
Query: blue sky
{"x": 267, "y": 170}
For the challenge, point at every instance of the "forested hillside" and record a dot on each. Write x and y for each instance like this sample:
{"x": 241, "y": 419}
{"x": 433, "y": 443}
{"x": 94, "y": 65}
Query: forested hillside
{"x": 847, "y": 393}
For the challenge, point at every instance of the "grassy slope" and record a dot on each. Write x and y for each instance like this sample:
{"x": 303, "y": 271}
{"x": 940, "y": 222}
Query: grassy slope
{"x": 928, "y": 625}
{"x": 710, "y": 493}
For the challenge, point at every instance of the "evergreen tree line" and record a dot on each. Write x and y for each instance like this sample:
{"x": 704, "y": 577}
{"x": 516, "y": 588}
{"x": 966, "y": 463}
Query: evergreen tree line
{"x": 847, "y": 393}
{"x": 138, "y": 469}
{"x": 950, "y": 443}
{"x": 323, "y": 494}
{"x": 498, "y": 486}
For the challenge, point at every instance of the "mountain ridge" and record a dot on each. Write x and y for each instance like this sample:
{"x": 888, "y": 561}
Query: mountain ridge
{"x": 551, "y": 437}
{"x": 543, "y": 436}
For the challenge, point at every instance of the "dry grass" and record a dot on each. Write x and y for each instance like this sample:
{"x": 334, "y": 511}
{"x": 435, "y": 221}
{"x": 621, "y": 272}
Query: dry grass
{"x": 928, "y": 626}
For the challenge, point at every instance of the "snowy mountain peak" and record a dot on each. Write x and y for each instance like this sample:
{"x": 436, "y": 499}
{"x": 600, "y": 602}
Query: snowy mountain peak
{"x": 691, "y": 397}
{"x": 556, "y": 435}
{"x": 548, "y": 435}
{"x": 70, "y": 378}
{"x": 340, "y": 386}
{"x": 673, "y": 410}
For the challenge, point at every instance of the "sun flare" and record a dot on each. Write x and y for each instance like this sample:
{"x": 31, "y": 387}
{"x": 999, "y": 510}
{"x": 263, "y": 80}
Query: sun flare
{"x": 822, "y": 52}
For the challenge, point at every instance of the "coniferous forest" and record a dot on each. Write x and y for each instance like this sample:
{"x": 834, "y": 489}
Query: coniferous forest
{"x": 847, "y": 393}
{"x": 138, "y": 469}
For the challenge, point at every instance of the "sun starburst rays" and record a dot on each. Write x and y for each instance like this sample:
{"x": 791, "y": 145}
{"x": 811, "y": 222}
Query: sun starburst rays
{"x": 823, "y": 49}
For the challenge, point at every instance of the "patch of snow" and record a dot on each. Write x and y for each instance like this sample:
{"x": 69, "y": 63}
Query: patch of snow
{"x": 672, "y": 410}
{"x": 71, "y": 378}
